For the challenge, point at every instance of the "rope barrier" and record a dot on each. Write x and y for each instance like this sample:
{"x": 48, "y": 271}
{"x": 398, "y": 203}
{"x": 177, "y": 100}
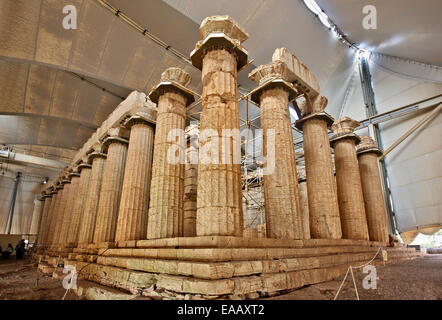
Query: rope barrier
{"x": 350, "y": 268}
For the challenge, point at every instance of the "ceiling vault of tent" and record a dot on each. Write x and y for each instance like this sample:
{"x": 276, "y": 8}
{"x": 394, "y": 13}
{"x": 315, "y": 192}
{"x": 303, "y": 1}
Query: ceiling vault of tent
{"x": 57, "y": 85}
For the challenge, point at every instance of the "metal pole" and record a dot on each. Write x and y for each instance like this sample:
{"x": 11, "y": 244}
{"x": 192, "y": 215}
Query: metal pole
{"x": 12, "y": 207}
{"x": 413, "y": 129}
{"x": 370, "y": 110}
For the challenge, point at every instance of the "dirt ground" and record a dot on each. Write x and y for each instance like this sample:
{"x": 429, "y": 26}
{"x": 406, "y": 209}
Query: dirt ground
{"x": 19, "y": 280}
{"x": 416, "y": 279}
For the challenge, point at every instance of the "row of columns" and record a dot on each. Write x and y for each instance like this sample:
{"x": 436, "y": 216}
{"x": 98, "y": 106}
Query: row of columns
{"x": 133, "y": 187}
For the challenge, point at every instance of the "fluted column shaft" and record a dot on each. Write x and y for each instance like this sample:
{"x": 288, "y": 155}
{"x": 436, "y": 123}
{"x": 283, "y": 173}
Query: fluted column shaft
{"x": 321, "y": 186}
{"x": 281, "y": 192}
{"x": 44, "y": 224}
{"x": 67, "y": 219}
{"x": 303, "y": 197}
{"x": 78, "y": 205}
{"x": 373, "y": 196}
{"x": 219, "y": 204}
{"x": 51, "y": 218}
{"x": 110, "y": 193}
{"x": 52, "y": 237}
{"x": 351, "y": 200}
{"x": 167, "y": 186}
{"x": 61, "y": 214}
{"x": 87, "y": 224}
{"x": 36, "y": 216}
{"x": 190, "y": 193}
{"x": 134, "y": 204}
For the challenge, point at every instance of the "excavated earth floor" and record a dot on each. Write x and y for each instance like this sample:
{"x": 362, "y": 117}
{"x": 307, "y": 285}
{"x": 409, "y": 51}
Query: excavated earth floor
{"x": 420, "y": 278}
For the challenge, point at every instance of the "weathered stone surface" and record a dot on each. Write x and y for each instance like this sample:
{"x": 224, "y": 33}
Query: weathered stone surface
{"x": 372, "y": 189}
{"x": 110, "y": 193}
{"x": 190, "y": 183}
{"x": 348, "y": 180}
{"x": 78, "y": 205}
{"x": 281, "y": 192}
{"x": 88, "y": 218}
{"x": 67, "y": 218}
{"x": 36, "y": 216}
{"x": 167, "y": 186}
{"x": 303, "y": 197}
{"x": 177, "y": 75}
{"x": 222, "y": 24}
{"x": 302, "y": 76}
{"x": 61, "y": 212}
{"x": 321, "y": 186}
{"x": 45, "y": 220}
{"x": 219, "y": 192}
{"x": 132, "y": 216}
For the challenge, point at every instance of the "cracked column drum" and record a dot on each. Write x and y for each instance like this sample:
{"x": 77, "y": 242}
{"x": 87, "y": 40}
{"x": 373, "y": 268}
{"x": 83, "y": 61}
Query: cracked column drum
{"x": 78, "y": 204}
{"x": 110, "y": 193}
{"x": 132, "y": 216}
{"x": 321, "y": 186}
{"x": 351, "y": 200}
{"x": 281, "y": 192}
{"x": 219, "y": 199}
{"x": 373, "y": 196}
{"x": 167, "y": 186}
{"x": 87, "y": 223}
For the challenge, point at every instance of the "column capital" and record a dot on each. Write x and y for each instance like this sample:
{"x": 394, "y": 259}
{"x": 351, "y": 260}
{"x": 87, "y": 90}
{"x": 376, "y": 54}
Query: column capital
{"x": 343, "y": 128}
{"x": 173, "y": 80}
{"x": 113, "y": 139}
{"x": 317, "y": 115}
{"x": 96, "y": 155}
{"x": 81, "y": 166}
{"x": 275, "y": 74}
{"x": 140, "y": 117}
{"x": 220, "y": 32}
{"x": 367, "y": 145}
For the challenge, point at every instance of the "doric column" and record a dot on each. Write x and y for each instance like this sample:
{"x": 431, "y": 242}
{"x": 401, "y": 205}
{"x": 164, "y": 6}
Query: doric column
{"x": 134, "y": 204}
{"x": 166, "y": 194}
{"x": 62, "y": 210}
{"x": 44, "y": 224}
{"x": 84, "y": 169}
{"x": 303, "y": 196}
{"x": 219, "y": 55}
{"x": 367, "y": 152}
{"x": 36, "y": 215}
{"x": 321, "y": 185}
{"x": 70, "y": 199}
{"x": 348, "y": 179}
{"x": 190, "y": 182}
{"x": 55, "y": 214}
{"x": 281, "y": 192}
{"x": 87, "y": 223}
{"x": 51, "y": 216}
{"x": 110, "y": 193}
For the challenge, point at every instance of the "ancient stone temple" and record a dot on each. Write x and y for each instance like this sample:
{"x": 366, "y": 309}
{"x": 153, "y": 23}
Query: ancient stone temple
{"x": 147, "y": 209}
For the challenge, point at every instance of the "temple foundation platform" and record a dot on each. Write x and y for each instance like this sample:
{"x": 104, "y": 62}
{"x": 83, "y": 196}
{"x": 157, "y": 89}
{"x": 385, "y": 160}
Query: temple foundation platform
{"x": 221, "y": 267}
